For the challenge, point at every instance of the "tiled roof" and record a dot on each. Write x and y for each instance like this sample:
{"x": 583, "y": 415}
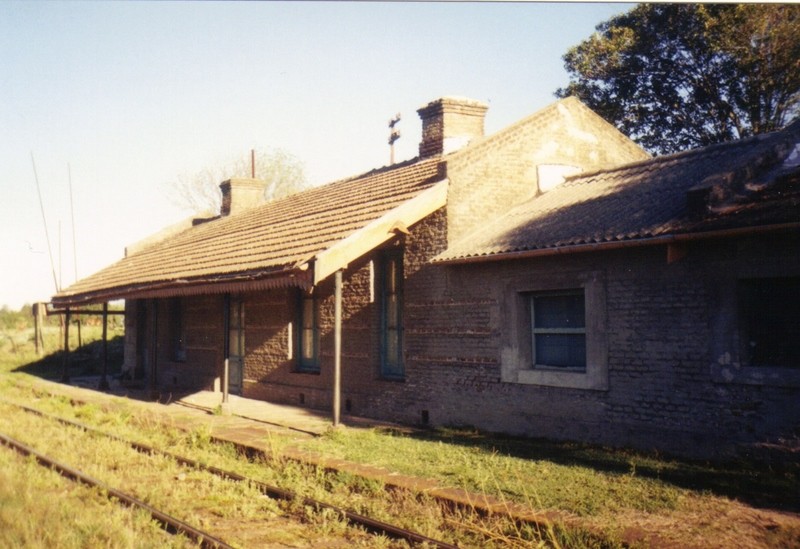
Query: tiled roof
{"x": 263, "y": 242}
{"x": 744, "y": 183}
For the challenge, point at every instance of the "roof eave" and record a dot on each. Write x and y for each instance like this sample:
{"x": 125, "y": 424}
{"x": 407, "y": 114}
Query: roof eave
{"x": 298, "y": 276}
{"x": 379, "y": 231}
{"x": 666, "y": 239}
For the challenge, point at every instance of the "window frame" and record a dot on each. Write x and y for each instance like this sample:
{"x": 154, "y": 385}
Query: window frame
{"x": 392, "y": 371}
{"x": 516, "y": 332}
{"x": 177, "y": 329}
{"x": 561, "y": 330}
{"x": 748, "y": 315}
{"x": 727, "y": 346}
{"x": 307, "y": 365}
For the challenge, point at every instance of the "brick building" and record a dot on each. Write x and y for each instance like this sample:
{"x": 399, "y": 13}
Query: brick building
{"x": 549, "y": 280}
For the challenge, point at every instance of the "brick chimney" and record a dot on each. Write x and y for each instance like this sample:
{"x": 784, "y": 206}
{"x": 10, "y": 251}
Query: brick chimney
{"x": 449, "y": 124}
{"x": 241, "y": 194}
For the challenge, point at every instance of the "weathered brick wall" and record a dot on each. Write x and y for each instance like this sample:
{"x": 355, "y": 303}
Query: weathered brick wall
{"x": 271, "y": 332}
{"x": 662, "y": 344}
{"x": 670, "y": 327}
{"x": 203, "y": 327}
{"x": 270, "y": 373}
{"x": 450, "y": 123}
{"x": 488, "y": 178}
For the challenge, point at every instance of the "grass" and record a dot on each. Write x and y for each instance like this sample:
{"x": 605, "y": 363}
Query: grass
{"x": 605, "y": 488}
{"x": 38, "y": 510}
{"x": 581, "y": 479}
{"x": 355, "y": 493}
{"x": 623, "y": 495}
{"x": 235, "y": 511}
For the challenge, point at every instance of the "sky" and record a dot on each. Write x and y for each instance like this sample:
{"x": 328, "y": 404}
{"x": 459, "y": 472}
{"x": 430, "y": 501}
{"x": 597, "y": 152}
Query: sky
{"x": 107, "y": 104}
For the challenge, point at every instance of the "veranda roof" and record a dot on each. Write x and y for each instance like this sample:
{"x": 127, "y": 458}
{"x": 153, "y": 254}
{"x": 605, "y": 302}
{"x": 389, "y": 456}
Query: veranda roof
{"x": 288, "y": 242}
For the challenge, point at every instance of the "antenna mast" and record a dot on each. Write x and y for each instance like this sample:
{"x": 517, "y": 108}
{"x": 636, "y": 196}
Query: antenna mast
{"x": 72, "y": 212}
{"x": 394, "y": 135}
{"x": 44, "y": 221}
{"x": 74, "y": 245}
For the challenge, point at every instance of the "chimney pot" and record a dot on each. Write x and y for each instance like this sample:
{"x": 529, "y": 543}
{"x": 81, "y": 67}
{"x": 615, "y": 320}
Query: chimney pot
{"x": 450, "y": 123}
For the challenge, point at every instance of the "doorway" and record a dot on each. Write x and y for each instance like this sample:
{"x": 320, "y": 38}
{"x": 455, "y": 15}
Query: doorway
{"x": 235, "y": 344}
{"x": 142, "y": 341}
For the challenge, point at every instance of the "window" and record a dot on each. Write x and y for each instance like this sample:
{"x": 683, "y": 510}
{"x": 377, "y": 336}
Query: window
{"x": 308, "y": 334}
{"x": 769, "y": 321}
{"x": 553, "y": 329}
{"x": 236, "y": 327}
{"x": 558, "y": 322}
{"x": 391, "y": 303}
{"x": 177, "y": 330}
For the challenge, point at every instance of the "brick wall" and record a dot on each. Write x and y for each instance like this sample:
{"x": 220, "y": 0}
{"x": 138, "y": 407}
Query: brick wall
{"x": 490, "y": 177}
{"x": 669, "y": 326}
{"x": 662, "y": 322}
{"x": 271, "y": 367}
{"x": 203, "y": 328}
{"x": 450, "y": 123}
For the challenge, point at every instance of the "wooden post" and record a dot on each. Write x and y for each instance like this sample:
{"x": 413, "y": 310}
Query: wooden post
{"x": 226, "y": 373}
{"x": 38, "y": 340}
{"x": 65, "y": 366}
{"x": 154, "y": 350}
{"x": 337, "y": 346}
{"x": 226, "y": 326}
{"x": 104, "y": 379}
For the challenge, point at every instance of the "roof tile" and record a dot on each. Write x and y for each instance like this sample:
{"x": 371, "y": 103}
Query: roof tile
{"x": 268, "y": 239}
{"x": 648, "y": 199}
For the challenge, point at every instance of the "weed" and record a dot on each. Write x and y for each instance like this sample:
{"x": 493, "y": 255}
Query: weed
{"x": 200, "y": 437}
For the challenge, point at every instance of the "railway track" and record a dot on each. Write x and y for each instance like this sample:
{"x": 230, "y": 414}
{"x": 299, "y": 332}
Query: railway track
{"x": 175, "y": 525}
{"x": 168, "y": 522}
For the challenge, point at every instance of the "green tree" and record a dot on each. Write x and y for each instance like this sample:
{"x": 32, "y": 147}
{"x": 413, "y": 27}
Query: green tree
{"x": 679, "y": 76}
{"x": 200, "y": 192}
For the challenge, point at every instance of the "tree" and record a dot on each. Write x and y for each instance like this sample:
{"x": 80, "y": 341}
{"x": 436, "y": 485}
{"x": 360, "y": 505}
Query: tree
{"x": 678, "y": 76}
{"x": 200, "y": 192}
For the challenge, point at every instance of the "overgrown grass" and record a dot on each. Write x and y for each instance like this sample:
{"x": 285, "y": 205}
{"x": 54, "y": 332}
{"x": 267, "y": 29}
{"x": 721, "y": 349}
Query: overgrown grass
{"x": 347, "y": 491}
{"x": 235, "y": 511}
{"x": 608, "y": 490}
{"x": 40, "y": 510}
{"x": 582, "y": 479}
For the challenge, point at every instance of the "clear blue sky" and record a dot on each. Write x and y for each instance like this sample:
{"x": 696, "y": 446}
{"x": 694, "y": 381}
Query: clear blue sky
{"x": 133, "y": 95}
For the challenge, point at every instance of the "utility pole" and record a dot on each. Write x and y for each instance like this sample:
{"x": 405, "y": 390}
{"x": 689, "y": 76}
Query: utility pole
{"x": 74, "y": 246}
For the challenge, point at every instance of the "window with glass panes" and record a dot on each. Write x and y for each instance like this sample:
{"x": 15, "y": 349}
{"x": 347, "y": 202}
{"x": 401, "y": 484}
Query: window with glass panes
{"x": 391, "y": 315}
{"x": 558, "y": 323}
{"x": 769, "y": 318}
{"x": 177, "y": 330}
{"x": 308, "y": 335}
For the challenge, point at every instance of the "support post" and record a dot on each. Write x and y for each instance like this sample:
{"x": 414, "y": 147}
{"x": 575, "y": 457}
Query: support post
{"x": 337, "y": 345}
{"x": 226, "y": 327}
{"x": 154, "y": 351}
{"x": 37, "y": 328}
{"x": 65, "y": 365}
{"x": 104, "y": 379}
{"x": 226, "y": 372}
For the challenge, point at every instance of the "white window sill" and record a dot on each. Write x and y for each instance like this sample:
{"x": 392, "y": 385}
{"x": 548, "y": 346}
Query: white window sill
{"x": 564, "y": 378}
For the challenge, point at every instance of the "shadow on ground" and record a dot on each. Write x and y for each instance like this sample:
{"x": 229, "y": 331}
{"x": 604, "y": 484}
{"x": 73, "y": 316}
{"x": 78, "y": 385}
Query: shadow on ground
{"x": 86, "y": 360}
{"x": 770, "y": 480}
{"x": 85, "y": 370}
{"x": 772, "y": 483}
